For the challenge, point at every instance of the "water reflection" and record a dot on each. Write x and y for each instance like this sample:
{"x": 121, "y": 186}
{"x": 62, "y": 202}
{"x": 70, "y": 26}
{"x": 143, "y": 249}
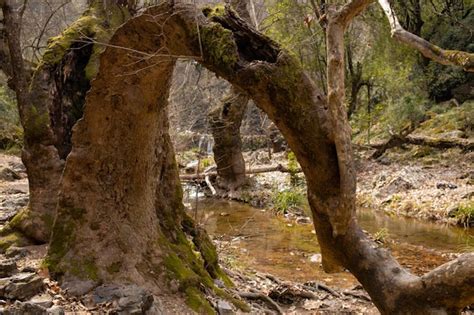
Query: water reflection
{"x": 273, "y": 245}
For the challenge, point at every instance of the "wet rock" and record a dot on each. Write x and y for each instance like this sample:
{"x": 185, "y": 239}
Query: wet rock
{"x": 22, "y": 308}
{"x": 7, "y": 268}
{"x": 446, "y": 186}
{"x": 17, "y": 252}
{"x": 224, "y": 308}
{"x": 8, "y": 174}
{"x": 128, "y": 299}
{"x": 55, "y": 310}
{"x": 43, "y": 300}
{"x": 21, "y": 286}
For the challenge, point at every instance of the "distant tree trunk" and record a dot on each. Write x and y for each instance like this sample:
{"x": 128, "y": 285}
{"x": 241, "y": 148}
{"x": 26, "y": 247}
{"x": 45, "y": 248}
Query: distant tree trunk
{"x": 50, "y": 102}
{"x": 225, "y": 121}
{"x": 110, "y": 209}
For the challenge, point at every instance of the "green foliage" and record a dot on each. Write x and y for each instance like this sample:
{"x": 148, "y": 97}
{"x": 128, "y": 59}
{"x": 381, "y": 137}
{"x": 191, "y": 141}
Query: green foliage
{"x": 287, "y": 199}
{"x": 285, "y": 23}
{"x": 450, "y": 119}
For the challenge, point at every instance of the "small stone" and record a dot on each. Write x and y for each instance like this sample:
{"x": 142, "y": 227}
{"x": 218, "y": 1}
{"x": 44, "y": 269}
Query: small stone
{"x": 316, "y": 258}
{"x": 44, "y": 300}
{"x": 17, "y": 252}
{"x": 21, "y": 286}
{"x": 55, "y": 310}
{"x": 8, "y": 174}
{"x": 7, "y": 268}
{"x": 79, "y": 287}
{"x": 20, "y": 308}
{"x": 224, "y": 308}
{"x": 446, "y": 186}
{"x": 219, "y": 283}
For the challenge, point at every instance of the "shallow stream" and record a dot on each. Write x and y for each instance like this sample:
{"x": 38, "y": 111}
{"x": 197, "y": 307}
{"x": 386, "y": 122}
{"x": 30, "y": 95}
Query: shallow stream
{"x": 260, "y": 240}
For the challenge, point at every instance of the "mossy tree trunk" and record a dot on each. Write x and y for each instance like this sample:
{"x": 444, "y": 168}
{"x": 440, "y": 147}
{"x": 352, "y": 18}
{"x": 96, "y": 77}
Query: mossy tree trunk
{"x": 225, "y": 120}
{"x": 50, "y": 102}
{"x": 111, "y": 209}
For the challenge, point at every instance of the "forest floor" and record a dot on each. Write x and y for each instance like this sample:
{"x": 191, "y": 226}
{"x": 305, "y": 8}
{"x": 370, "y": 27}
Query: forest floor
{"x": 394, "y": 179}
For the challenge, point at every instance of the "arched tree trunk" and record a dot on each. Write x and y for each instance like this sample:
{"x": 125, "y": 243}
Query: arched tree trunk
{"x": 50, "y": 102}
{"x": 111, "y": 211}
{"x": 225, "y": 120}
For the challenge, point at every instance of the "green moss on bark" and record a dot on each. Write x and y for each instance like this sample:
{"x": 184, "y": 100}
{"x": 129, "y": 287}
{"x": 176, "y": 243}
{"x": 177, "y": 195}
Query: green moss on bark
{"x": 219, "y": 46}
{"x": 63, "y": 238}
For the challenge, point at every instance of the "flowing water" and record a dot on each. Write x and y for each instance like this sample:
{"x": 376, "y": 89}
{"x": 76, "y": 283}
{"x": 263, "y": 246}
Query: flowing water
{"x": 271, "y": 244}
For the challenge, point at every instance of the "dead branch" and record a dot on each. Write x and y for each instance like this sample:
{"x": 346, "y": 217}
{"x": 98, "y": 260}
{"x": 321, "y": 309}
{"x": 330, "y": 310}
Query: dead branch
{"x": 268, "y": 169}
{"x": 446, "y": 57}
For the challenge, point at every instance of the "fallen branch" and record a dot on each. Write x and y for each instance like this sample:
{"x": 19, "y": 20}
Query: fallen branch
{"x": 264, "y": 298}
{"x": 268, "y": 169}
{"x": 438, "y": 143}
{"x": 314, "y": 286}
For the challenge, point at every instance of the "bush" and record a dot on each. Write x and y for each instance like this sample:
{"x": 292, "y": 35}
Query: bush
{"x": 285, "y": 200}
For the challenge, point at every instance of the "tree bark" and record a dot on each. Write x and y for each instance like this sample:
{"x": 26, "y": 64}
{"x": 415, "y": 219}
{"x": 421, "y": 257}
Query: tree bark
{"x": 109, "y": 206}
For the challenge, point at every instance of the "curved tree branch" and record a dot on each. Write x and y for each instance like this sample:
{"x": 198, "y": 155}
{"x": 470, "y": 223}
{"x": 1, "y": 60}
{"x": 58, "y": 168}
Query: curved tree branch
{"x": 446, "y": 57}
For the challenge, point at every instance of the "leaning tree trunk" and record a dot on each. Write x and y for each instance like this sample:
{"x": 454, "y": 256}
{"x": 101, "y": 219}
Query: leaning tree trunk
{"x": 225, "y": 120}
{"x": 52, "y": 104}
{"x": 111, "y": 213}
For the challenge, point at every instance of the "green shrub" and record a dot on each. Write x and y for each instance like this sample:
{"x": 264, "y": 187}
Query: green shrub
{"x": 287, "y": 199}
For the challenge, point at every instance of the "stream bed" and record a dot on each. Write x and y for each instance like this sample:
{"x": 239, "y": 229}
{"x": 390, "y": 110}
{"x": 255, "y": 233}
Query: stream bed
{"x": 258, "y": 239}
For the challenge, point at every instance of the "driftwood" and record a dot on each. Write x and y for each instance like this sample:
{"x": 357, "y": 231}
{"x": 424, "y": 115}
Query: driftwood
{"x": 438, "y": 143}
{"x": 267, "y": 169}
